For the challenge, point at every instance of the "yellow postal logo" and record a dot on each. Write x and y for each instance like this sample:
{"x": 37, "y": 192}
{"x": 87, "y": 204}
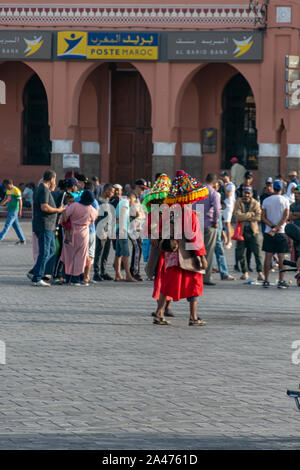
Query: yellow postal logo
{"x": 71, "y": 44}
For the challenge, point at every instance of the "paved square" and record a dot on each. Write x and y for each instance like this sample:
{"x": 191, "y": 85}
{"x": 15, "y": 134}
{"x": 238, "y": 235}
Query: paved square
{"x": 86, "y": 368}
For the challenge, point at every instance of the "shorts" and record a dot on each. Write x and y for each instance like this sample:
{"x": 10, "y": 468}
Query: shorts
{"x": 227, "y": 214}
{"x": 192, "y": 299}
{"x": 276, "y": 244}
{"x": 122, "y": 247}
{"x": 92, "y": 245}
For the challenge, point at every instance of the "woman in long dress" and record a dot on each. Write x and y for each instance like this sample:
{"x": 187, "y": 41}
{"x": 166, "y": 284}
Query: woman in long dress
{"x": 75, "y": 254}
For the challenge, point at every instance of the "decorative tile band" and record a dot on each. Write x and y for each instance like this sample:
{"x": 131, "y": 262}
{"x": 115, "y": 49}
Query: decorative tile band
{"x": 119, "y": 15}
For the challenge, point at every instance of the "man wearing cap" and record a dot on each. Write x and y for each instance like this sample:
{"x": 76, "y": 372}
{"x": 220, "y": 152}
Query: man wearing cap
{"x": 275, "y": 213}
{"x": 267, "y": 191}
{"x": 247, "y": 181}
{"x": 237, "y": 171}
{"x": 72, "y": 187}
{"x": 293, "y": 182}
{"x": 229, "y": 201}
{"x": 293, "y": 229}
{"x": 248, "y": 212}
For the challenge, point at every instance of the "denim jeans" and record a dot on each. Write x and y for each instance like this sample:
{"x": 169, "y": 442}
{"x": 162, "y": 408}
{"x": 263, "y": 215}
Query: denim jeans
{"x": 101, "y": 255}
{"x": 219, "y": 252}
{"x": 47, "y": 249}
{"x": 13, "y": 220}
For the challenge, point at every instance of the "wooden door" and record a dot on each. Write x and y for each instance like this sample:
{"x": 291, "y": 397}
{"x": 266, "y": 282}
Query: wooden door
{"x": 131, "y": 133}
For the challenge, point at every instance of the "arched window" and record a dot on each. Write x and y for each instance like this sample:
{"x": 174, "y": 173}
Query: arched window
{"x": 239, "y": 133}
{"x": 35, "y": 128}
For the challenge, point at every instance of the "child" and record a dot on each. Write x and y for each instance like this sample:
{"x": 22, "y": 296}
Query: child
{"x": 68, "y": 200}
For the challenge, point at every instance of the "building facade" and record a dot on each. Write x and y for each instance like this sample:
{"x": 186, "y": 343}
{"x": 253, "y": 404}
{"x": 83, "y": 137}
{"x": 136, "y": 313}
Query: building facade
{"x": 136, "y": 89}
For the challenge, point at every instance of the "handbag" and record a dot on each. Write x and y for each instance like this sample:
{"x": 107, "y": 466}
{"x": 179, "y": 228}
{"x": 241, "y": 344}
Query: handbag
{"x": 188, "y": 260}
{"x": 238, "y": 232}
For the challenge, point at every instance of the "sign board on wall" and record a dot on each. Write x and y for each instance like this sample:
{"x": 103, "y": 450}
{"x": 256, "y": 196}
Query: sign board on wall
{"x": 95, "y": 45}
{"x": 71, "y": 160}
{"x": 209, "y": 140}
{"x": 215, "y": 46}
{"x": 25, "y": 45}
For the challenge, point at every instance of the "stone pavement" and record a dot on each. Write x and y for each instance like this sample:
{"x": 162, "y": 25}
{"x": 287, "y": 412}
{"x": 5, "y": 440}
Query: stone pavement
{"x": 86, "y": 368}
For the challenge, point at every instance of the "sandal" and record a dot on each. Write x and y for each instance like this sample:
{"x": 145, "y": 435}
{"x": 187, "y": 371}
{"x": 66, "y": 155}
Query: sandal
{"x": 160, "y": 321}
{"x": 169, "y": 313}
{"x": 197, "y": 322}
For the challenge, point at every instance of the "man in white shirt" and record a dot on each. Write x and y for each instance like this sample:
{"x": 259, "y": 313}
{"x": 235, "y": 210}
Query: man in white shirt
{"x": 237, "y": 172}
{"x": 292, "y": 184}
{"x": 275, "y": 213}
{"x": 229, "y": 201}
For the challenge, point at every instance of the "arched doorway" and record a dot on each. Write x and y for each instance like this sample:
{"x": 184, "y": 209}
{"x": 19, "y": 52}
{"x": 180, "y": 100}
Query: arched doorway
{"x": 131, "y": 132}
{"x": 115, "y": 111}
{"x": 239, "y": 133}
{"x": 36, "y": 144}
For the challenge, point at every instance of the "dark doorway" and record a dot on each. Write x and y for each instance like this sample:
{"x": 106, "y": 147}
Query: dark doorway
{"x": 131, "y": 132}
{"x": 35, "y": 127}
{"x": 239, "y": 133}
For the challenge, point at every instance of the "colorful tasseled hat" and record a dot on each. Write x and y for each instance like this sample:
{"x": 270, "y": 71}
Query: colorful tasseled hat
{"x": 158, "y": 192}
{"x": 186, "y": 190}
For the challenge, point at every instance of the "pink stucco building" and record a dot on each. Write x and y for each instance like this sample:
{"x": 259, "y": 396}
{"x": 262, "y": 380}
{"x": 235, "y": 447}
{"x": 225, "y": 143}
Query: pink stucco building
{"x": 147, "y": 87}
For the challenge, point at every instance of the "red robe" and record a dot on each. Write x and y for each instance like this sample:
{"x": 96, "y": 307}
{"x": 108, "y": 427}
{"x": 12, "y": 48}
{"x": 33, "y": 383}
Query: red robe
{"x": 160, "y": 268}
{"x": 179, "y": 283}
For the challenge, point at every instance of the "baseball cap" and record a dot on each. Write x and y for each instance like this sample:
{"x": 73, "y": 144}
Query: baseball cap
{"x": 247, "y": 189}
{"x": 118, "y": 186}
{"x": 277, "y": 185}
{"x": 248, "y": 174}
{"x": 234, "y": 160}
{"x": 71, "y": 182}
{"x": 224, "y": 173}
{"x": 269, "y": 180}
{"x": 142, "y": 183}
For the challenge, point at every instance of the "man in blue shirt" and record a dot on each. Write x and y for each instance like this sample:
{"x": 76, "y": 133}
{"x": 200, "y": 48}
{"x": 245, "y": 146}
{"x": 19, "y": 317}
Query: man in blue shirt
{"x": 212, "y": 211}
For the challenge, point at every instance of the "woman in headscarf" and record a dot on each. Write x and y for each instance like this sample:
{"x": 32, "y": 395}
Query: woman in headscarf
{"x": 184, "y": 250}
{"x": 75, "y": 255}
{"x": 156, "y": 263}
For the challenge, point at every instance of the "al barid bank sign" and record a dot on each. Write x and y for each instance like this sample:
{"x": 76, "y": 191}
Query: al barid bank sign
{"x": 215, "y": 46}
{"x": 25, "y": 45}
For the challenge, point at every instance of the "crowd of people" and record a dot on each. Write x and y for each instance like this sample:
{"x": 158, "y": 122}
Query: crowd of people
{"x": 269, "y": 215}
{"x": 73, "y": 233}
